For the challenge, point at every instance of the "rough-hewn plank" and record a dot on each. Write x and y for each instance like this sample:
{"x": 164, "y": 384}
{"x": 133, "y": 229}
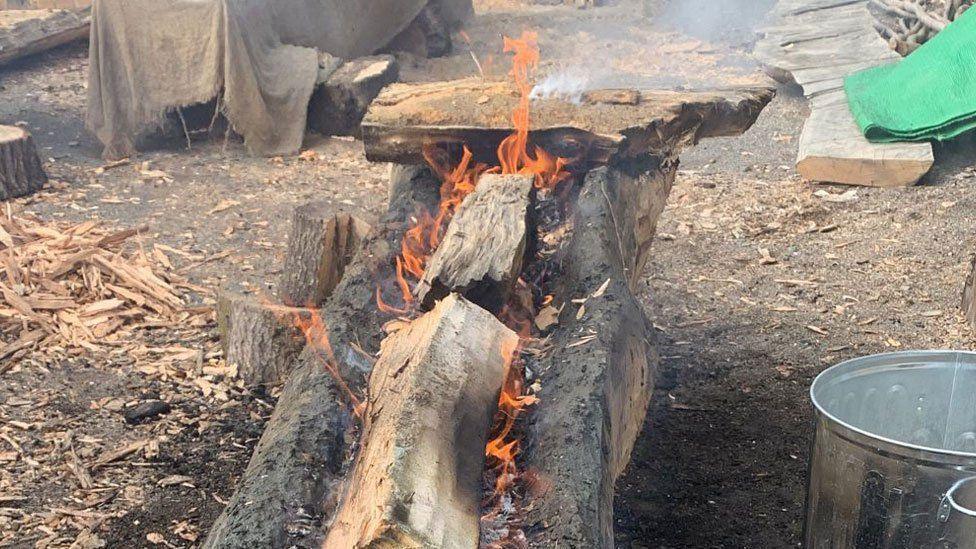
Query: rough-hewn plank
{"x": 405, "y": 118}
{"x": 816, "y": 43}
{"x": 321, "y": 243}
{"x": 26, "y": 32}
{"x": 482, "y": 250}
{"x": 417, "y": 478}
{"x": 21, "y": 172}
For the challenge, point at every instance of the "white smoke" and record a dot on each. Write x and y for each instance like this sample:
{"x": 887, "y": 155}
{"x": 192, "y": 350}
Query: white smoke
{"x": 568, "y": 85}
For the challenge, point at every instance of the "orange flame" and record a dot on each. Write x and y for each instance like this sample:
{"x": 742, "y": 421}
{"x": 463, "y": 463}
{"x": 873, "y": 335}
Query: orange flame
{"x": 317, "y": 337}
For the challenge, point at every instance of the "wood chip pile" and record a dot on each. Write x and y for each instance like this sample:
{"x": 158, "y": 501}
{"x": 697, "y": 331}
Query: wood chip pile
{"x": 73, "y": 288}
{"x": 907, "y": 24}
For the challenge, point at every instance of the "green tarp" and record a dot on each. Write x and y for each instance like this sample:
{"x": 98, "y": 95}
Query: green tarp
{"x": 929, "y": 95}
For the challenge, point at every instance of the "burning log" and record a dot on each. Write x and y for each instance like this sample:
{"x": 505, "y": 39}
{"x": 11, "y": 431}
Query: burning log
{"x": 20, "y": 167}
{"x": 405, "y": 118}
{"x": 341, "y": 99}
{"x": 417, "y": 478}
{"x": 260, "y": 338}
{"x": 321, "y": 244}
{"x": 481, "y": 253}
{"x": 290, "y": 484}
{"x": 596, "y": 385}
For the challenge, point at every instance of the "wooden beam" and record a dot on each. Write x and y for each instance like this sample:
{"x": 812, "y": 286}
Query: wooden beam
{"x": 321, "y": 243}
{"x": 405, "y": 118}
{"x": 417, "y": 480}
{"x": 482, "y": 250}
{"x": 21, "y": 172}
{"x": 26, "y": 32}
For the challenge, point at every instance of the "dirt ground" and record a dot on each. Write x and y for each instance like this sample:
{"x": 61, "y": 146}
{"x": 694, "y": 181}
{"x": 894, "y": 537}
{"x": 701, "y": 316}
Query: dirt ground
{"x": 759, "y": 281}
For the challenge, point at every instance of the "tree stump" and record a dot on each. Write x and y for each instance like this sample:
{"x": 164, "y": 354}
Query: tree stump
{"x": 20, "y": 167}
{"x": 262, "y": 339}
{"x": 321, "y": 244}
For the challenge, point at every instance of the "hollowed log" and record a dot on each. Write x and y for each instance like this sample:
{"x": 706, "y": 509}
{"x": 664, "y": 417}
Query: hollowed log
{"x": 482, "y": 250}
{"x": 596, "y": 385}
{"x": 417, "y": 479}
{"x": 20, "y": 167}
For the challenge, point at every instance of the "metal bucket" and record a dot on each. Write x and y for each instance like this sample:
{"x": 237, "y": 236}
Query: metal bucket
{"x": 894, "y": 459}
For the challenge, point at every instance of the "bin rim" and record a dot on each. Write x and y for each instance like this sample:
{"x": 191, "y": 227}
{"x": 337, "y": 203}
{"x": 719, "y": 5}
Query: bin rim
{"x": 879, "y": 359}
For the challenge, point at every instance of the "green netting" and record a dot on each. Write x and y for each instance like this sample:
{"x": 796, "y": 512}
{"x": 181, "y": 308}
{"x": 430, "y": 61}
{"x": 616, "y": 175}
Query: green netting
{"x": 931, "y": 94}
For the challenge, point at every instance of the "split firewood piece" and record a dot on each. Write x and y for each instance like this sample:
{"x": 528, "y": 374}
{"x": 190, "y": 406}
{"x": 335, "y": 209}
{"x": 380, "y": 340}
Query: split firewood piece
{"x": 481, "y": 253}
{"x": 417, "y": 481}
{"x": 20, "y": 167}
{"x": 341, "y": 99}
{"x": 262, "y": 339}
{"x": 321, "y": 244}
{"x": 969, "y": 295}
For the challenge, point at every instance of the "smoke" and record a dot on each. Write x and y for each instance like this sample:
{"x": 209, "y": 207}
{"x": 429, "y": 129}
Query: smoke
{"x": 730, "y": 22}
{"x": 567, "y": 84}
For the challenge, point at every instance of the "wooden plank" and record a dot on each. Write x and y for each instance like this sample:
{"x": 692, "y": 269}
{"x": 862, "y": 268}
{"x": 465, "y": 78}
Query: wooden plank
{"x": 406, "y": 118}
{"x": 416, "y": 482}
{"x": 818, "y": 43}
{"x": 832, "y": 148}
{"x": 26, "y": 32}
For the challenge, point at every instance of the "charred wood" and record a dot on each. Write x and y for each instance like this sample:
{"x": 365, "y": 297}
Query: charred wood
{"x": 483, "y": 248}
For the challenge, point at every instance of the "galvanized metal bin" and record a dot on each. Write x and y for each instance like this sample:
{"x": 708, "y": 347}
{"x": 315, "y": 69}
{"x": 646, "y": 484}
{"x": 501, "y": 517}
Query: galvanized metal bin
{"x": 894, "y": 458}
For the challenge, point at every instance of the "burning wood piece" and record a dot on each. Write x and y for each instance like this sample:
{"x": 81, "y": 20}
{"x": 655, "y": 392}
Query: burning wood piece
{"x": 481, "y": 253}
{"x": 596, "y": 385}
{"x": 417, "y": 479}
{"x": 340, "y": 101}
{"x": 405, "y": 118}
{"x": 321, "y": 244}
{"x": 20, "y": 167}
{"x": 261, "y": 338}
{"x": 290, "y": 486}
{"x": 26, "y": 32}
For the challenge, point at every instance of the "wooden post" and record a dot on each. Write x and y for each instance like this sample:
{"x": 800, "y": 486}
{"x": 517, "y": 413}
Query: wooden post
{"x": 321, "y": 243}
{"x": 969, "y": 295}
{"x": 482, "y": 250}
{"x": 417, "y": 481}
{"x": 20, "y": 167}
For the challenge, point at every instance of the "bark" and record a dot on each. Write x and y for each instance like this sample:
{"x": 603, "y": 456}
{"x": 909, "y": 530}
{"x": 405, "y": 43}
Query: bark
{"x": 340, "y": 101}
{"x": 405, "y": 118}
{"x": 21, "y": 172}
{"x": 969, "y": 295}
{"x": 483, "y": 248}
{"x": 321, "y": 243}
{"x": 290, "y": 485}
{"x": 597, "y": 383}
{"x": 433, "y": 393}
{"x": 262, "y": 339}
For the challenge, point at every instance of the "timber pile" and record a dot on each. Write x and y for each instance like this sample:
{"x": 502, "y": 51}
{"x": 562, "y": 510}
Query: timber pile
{"x": 26, "y": 32}
{"x": 72, "y": 286}
{"x": 816, "y": 43}
{"x": 21, "y": 172}
{"x": 430, "y": 395}
{"x": 915, "y": 21}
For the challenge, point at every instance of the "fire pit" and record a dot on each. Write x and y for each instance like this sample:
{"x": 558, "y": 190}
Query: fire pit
{"x": 515, "y": 362}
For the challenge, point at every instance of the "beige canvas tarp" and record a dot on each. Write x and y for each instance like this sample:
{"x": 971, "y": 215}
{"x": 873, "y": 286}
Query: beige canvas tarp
{"x": 150, "y": 56}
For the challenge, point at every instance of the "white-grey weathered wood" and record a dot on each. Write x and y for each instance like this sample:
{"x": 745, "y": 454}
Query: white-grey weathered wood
{"x": 26, "y": 32}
